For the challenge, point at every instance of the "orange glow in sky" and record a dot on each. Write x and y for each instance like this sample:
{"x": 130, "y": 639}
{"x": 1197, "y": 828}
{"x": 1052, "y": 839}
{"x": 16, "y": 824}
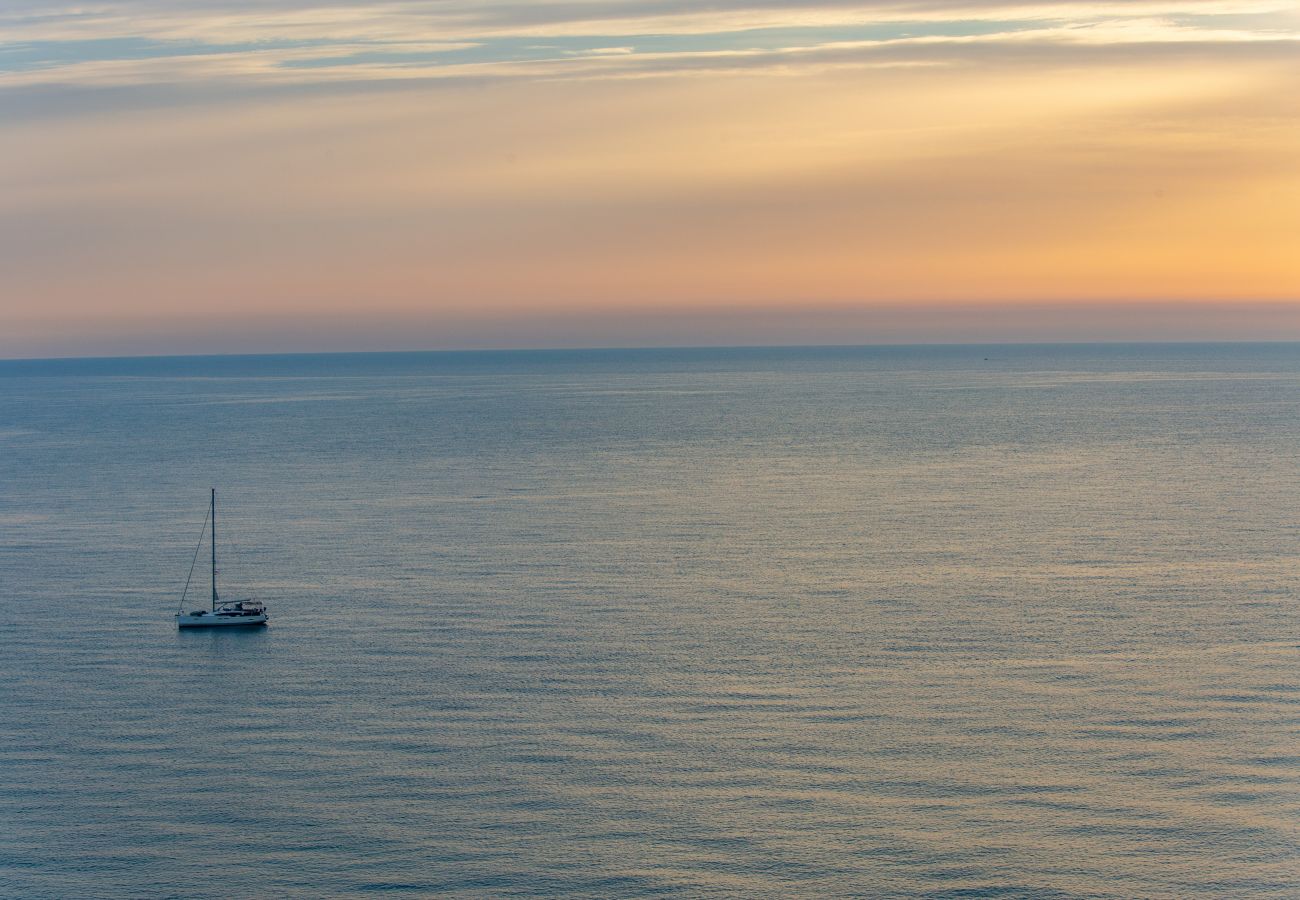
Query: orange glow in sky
{"x": 193, "y": 177}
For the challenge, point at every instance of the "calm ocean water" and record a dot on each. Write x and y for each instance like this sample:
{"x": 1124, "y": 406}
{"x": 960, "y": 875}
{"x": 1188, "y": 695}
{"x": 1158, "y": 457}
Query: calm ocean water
{"x": 964, "y": 621}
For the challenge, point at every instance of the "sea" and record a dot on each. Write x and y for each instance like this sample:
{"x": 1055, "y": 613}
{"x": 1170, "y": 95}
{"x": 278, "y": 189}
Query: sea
{"x": 927, "y": 621}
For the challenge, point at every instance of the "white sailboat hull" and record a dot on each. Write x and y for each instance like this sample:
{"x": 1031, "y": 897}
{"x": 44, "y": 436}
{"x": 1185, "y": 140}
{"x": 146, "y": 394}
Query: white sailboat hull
{"x": 208, "y": 620}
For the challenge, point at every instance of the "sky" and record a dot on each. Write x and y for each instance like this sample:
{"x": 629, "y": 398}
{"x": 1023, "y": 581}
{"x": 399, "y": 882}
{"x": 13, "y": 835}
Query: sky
{"x": 279, "y": 175}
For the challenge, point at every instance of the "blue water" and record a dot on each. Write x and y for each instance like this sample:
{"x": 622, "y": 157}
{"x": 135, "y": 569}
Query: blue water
{"x": 946, "y": 621}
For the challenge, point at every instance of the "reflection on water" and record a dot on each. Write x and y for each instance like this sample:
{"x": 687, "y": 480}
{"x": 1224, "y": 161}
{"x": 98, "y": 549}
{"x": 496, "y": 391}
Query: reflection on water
{"x": 734, "y": 623}
{"x": 229, "y": 641}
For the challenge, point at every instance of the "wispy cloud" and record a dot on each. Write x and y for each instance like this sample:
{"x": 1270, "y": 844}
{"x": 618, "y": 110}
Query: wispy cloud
{"x": 301, "y": 41}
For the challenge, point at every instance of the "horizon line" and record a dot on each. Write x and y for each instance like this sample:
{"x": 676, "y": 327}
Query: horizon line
{"x": 643, "y": 348}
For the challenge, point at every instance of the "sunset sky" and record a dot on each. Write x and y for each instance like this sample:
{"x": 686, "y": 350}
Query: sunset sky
{"x": 263, "y": 175}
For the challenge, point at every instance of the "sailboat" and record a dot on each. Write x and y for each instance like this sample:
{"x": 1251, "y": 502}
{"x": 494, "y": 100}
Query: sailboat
{"x": 241, "y": 612}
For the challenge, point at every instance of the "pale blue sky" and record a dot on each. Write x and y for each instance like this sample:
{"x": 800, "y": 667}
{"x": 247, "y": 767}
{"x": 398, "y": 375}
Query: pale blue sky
{"x": 63, "y": 43}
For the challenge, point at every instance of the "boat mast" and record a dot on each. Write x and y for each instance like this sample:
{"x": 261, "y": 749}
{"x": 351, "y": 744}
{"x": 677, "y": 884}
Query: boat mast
{"x": 214, "y": 549}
